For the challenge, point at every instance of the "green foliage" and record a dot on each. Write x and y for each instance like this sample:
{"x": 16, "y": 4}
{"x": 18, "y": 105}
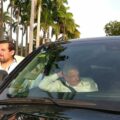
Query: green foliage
{"x": 112, "y": 28}
{"x": 54, "y": 13}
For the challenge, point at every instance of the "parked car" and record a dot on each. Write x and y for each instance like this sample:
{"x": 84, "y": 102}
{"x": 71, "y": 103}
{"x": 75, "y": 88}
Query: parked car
{"x": 22, "y": 97}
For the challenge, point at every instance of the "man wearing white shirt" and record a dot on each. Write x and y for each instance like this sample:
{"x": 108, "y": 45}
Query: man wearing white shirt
{"x": 52, "y": 83}
{"x": 7, "y": 52}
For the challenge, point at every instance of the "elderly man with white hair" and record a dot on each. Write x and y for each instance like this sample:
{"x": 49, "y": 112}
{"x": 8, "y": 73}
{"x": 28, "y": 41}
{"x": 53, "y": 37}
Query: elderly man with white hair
{"x": 72, "y": 79}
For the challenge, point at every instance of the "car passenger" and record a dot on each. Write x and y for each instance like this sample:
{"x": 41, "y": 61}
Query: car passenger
{"x": 53, "y": 83}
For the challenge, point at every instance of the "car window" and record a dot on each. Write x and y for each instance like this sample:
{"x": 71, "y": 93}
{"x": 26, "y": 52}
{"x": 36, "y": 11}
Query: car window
{"x": 98, "y": 66}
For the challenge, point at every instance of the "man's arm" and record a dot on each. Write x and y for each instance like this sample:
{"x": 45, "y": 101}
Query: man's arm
{"x": 47, "y": 82}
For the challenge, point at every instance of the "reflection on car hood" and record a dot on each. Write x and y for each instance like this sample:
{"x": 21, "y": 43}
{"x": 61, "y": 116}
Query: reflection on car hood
{"x": 45, "y": 108}
{"x": 88, "y": 104}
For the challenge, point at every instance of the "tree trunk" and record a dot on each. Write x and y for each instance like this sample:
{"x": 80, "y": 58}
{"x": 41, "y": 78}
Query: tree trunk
{"x": 1, "y": 20}
{"x": 26, "y": 44}
{"x": 17, "y": 34}
{"x": 31, "y": 26}
{"x": 10, "y": 34}
{"x": 38, "y": 26}
{"x": 21, "y": 53}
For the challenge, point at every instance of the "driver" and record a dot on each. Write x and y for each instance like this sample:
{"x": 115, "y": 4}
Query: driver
{"x": 54, "y": 83}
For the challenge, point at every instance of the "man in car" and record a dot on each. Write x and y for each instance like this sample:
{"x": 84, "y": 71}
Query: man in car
{"x": 7, "y": 52}
{"x": 53, "y": 83}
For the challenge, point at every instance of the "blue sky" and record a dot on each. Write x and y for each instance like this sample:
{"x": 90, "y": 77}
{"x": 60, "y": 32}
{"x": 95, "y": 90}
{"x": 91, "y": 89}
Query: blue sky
{"x": 92, "y": 15}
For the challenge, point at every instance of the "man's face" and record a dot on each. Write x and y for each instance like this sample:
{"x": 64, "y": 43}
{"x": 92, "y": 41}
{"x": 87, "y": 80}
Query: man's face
{"x": 73, "y": 77}
{"x": 5, "y": 53}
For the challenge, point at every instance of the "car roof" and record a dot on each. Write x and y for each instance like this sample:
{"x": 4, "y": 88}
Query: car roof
{"x": 105, "y": 38}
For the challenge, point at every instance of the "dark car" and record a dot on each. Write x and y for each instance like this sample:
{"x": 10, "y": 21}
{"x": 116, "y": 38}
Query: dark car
{"x": 39, "y": 88}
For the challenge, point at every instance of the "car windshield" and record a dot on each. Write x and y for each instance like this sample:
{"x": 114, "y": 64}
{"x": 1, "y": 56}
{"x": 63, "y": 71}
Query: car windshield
{"x": 97, "y": 67}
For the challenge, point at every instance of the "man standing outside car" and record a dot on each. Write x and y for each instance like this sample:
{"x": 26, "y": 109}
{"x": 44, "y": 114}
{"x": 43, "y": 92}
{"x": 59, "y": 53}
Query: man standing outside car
{"x": 7, "y": 52}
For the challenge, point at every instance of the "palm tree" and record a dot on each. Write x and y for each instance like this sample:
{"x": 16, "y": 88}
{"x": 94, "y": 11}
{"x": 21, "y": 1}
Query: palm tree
{"x": 63, "y": 21}
{"x": 25, "y": 22}
{"x": 11, "y": 11}
{"x": 15, "y": 12}
{"x": 54, "y": 13}
{"x": 46, "y": 19}
{"x": 32, "y": 16}
{"x": 38, "y": 23}
{"x": 1, "y": 20}
{"x": 6, "y": 20}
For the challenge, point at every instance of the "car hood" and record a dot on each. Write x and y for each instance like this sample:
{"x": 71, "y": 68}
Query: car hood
{"x": 48, "y": 108}
{"x": 27, "y": 112}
